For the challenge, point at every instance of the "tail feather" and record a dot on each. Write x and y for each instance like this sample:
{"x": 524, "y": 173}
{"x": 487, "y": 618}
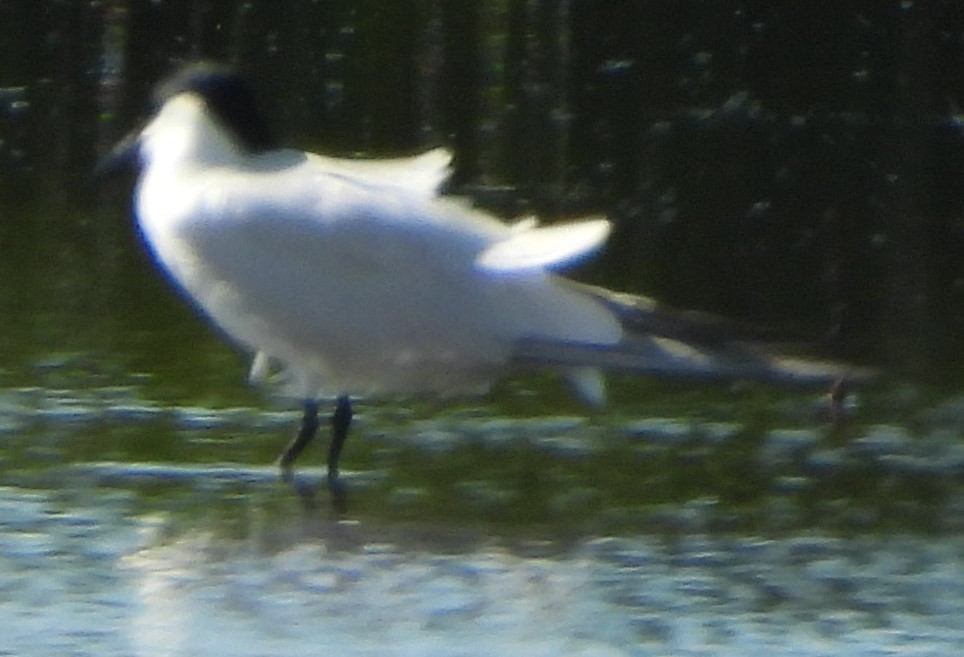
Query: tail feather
{"x": 643, "y": 315}
{"x": 665, "y": 357}
{"x": 663, "y": 342}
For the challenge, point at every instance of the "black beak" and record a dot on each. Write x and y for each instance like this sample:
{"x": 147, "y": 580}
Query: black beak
{"x": 123, "y": 156}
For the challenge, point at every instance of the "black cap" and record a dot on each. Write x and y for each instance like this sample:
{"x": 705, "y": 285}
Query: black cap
{"x": 227, "y": 94}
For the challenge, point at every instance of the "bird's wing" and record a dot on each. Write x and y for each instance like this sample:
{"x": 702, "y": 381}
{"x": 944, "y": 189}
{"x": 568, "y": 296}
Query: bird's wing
{"x": 665, "y": 357}
{"x": 362, "y": 209}
{"x": 344, "y": 187}
{"x": 422, "y": 174}
{"x": 643, "y": 315}
{"x": 328, "y": 228}
{"x": 530, "y": 247}
{"x": 387, "y": 208}
{"x": 337, "y": 242}
{"x": 663, "y": 341}
{"x": 525, "y": 247}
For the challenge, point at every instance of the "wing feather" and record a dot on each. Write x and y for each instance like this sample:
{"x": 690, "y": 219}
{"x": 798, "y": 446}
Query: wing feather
{"x": 529, "y": 247}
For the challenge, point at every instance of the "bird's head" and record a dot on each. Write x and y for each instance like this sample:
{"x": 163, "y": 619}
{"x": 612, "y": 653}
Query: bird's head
{"x": 196, "y": 98}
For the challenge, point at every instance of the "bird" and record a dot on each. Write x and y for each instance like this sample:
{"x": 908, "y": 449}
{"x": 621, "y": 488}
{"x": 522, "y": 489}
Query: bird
{"x": 357, "y": 278}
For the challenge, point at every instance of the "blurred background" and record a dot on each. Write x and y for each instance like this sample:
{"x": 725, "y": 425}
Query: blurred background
{"x": 793, "y": 164}
{"x": 799, "y": 165}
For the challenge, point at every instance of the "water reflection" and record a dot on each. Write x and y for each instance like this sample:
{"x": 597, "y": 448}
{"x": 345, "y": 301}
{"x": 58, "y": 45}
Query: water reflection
{"x": 676, "y": 460}
{"x": 605, "y": 597}
{"x": 97, "y": 572}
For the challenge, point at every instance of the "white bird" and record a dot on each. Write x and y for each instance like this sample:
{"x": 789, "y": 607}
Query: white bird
{"x": 357, "y": 278}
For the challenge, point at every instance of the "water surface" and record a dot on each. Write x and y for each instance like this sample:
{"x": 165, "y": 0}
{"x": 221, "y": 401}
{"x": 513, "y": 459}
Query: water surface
{"x": 140, "y": 517}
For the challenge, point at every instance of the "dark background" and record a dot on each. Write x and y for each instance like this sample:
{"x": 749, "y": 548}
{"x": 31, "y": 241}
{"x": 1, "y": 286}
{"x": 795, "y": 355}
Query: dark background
{"x": 792, "y": 163}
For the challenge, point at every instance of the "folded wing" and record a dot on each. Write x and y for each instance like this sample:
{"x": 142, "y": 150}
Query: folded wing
{"x": 530, "y": 247}
{"x": 663, "y": 342}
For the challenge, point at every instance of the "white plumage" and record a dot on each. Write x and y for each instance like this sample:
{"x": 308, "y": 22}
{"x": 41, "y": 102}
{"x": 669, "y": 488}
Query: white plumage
{"x": 357, "y": 278}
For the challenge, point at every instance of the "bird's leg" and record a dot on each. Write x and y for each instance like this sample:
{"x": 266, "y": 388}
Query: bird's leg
{"x": 309, "y": 426}
{"x": 340, "y": 423}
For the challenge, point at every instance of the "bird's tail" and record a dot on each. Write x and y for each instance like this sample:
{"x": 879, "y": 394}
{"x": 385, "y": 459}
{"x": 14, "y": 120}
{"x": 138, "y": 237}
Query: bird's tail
{"x": 668, "y": 343}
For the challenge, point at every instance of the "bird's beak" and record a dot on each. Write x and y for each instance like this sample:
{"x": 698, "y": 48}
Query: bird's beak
{"x": 123, "y": 156}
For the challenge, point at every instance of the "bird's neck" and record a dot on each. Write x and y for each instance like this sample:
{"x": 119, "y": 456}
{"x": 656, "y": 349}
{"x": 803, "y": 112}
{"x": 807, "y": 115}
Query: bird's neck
{"x": 184, "y": 134}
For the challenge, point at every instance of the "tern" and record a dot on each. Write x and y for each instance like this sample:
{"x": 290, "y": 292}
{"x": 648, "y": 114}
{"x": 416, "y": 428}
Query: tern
{"x": 357, "y": 278}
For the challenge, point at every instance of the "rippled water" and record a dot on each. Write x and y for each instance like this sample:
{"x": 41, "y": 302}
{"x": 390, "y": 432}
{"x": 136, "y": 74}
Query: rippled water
{"x": 99, "y": 574}
{"x": 747, "y": 525}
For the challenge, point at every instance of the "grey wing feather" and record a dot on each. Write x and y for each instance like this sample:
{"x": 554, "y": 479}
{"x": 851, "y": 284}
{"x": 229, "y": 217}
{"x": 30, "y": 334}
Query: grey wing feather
{"x": 683, "y": 344}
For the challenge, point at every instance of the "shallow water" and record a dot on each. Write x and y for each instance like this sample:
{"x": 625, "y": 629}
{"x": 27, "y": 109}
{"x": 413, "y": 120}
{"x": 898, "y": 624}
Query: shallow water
{"x": 681, "y": 521}
{"x": 101, "y": 573}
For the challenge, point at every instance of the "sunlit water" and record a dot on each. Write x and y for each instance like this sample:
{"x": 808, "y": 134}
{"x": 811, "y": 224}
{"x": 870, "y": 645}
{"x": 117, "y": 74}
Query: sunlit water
{"x": 102, "y": 574}
{"x": 131, "y": 524}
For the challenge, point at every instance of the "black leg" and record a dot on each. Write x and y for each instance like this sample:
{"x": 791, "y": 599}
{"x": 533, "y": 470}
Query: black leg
{"x": 309, "y": 426}
{"x": 340, "y": 423}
